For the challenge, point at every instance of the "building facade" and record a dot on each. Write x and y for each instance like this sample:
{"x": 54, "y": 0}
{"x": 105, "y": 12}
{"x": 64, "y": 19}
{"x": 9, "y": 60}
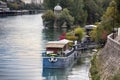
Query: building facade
{"x": 37, "y": 1}
{"x": 3, "y": 6}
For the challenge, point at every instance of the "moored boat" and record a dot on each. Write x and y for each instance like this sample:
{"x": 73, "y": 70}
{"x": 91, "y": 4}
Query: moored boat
{"x": 59, "y": 54}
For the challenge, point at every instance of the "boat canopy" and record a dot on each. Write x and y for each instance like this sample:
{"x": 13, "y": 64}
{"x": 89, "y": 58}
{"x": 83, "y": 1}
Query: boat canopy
{"x": 55, "y": 45}
{"x": 65, "y": 41}
{"x": 58, "y": 44}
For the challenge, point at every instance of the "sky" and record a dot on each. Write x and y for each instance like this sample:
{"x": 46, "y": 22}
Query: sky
{"x": 29, "y": 1}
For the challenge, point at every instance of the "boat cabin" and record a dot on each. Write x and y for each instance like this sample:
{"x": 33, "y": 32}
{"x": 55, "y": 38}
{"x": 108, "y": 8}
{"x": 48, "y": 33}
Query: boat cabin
{"x": 58, "y": 47}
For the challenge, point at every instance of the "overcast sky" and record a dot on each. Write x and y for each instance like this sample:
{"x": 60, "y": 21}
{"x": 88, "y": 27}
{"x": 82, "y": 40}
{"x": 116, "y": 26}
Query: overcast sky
{"x": 29, "y": 1}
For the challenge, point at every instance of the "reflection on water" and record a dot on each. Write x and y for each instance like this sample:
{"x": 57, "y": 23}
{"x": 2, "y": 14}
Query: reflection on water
{"x": 77, "y": 72}
{"x": 55, "y": 74}
{"x": 51, "y": 34}
{"x": 21, "y": 40}
{"x": 80, "y": 71}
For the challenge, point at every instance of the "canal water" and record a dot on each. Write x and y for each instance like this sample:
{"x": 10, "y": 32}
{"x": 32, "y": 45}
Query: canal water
{"x": 22, "y": 39}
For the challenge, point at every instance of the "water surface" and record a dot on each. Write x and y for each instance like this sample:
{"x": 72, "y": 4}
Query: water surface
{"x": 22, "y": 38}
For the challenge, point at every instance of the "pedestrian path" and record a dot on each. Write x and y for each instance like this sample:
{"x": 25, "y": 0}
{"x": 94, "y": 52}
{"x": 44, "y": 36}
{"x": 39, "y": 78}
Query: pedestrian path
{"x": 118, "y": 38}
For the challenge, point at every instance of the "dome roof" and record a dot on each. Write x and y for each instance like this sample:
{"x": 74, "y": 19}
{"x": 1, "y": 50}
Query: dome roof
{"x": 58, "y": 7}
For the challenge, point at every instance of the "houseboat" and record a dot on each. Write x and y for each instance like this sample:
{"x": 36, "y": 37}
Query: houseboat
{"x": 59, "y": 54}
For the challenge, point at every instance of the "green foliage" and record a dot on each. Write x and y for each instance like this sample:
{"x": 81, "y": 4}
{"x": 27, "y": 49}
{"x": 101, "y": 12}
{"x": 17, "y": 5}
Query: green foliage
{"x": 16, "y": 5}
{"x": 99, "y": 35}
{"x": 66, "y": 3}
{"x": 78, "y": 12}
{"x": 110, "y": 19}
{"x": 83, "y": 11}
{"x": 50, "y": 4}
{"x": 66, "y": 17}
{"x": 13, "y": 6}
{"x": 71, "y": 36}
{"x": 118, "y": 5}
{"x": 75, "y": 34}
{"x": 48, "y": 18}
{"x": 79, "y": 32}
{"x": 105, "y": 4}
{"x": 93, "y": 35}
{"x": 32, "y": 6}
{"x": 118, "y": 13}
{"x": 94, "y": 69}
{"x": 94, "y": 11}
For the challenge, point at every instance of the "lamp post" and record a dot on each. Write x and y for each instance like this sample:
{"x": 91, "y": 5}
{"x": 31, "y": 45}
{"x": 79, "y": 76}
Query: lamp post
{"x": 114, "y": 11}
{"x": 57, "y": 10}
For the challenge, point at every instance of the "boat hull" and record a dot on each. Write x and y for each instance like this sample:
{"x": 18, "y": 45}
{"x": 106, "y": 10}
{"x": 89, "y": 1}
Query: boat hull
{"x": 60, "y": 62}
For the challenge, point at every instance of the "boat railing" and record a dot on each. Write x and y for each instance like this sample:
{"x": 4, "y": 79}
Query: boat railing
{"x": 70, "y": 52}
{"x": 64, "y": 54}
{"x": 57, "y": 57}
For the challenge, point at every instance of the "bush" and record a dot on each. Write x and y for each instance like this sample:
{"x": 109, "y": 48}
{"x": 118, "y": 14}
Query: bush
{"x": 48, "y": 18}
{"x": 79, "y": 33}
{"x": 66, "y": 17}
{"x": 94, "y": 69}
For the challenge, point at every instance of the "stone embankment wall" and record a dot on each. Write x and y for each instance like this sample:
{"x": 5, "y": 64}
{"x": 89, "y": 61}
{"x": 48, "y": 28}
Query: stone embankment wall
{"x": 109, "y": 59}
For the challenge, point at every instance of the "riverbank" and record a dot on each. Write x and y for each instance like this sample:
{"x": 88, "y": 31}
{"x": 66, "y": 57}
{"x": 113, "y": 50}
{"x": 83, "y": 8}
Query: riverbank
{"x": 19, "y": 12}
{"x": 105, "y": 64}
{"x": 94, "y": 68}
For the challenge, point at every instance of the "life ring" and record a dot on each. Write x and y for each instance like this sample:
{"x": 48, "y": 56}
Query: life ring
{"x": 52, "y": 59}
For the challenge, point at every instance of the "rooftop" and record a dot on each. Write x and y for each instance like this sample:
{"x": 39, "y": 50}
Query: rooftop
{"x": 58, "y": 44}
{"x": 58, "y": 8}
{"x": 90, "y": 26}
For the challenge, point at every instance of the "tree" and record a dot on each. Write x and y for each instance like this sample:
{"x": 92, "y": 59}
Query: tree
{"x": 99, "y": 35}
{"x": 13, "y": 6}
{"x": 93, "y": 35}
{"x": 71, "y": 36}
{"x": 75, "y": 34}
{"x": 78, "y": 12}
{"x": 105, "y": 4}
{"x": 50, "y": 4}
{"x": 94, "y": 11}
{"x": 48, "y": 18}
{"x": 118, "y": 12}
{"x": 66, "y": 3}
{"x": 110, "y": 17}
{"x": 66, "y": 17}
{"x": 79, "y": 33}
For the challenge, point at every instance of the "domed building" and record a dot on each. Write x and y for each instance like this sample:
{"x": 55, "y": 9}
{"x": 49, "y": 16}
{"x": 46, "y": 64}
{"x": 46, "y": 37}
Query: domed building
{"x": 57, "y": 9}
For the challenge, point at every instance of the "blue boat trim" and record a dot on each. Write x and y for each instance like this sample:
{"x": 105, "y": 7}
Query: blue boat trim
{"x": 59, "y": 61}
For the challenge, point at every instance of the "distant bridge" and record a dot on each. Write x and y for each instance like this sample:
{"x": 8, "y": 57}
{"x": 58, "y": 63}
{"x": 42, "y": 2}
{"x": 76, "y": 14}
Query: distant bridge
{"x": 19, "y": 12}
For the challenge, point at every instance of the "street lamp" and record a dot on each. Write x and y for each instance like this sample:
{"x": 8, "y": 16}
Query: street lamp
{"x": 114, "y": 11}
{"x": 57, "y": 10}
